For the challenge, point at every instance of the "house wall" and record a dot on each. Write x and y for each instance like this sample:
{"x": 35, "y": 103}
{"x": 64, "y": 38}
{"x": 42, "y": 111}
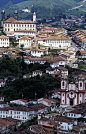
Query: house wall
{"x": 27, "y": 61}
{"x": 26, "y": 42}
{"x": 74, "y": 115}
{"x": 18, "y": 26}
{"x": 20, "y": 115}
{"x": 57, "y": 64}
{"x": 59, "y": 44}
{"x": 36, "y": 73}
{"x": 4, "y": 42}
{"x": 16, "y": 33}
{"x": 18, "y": 102}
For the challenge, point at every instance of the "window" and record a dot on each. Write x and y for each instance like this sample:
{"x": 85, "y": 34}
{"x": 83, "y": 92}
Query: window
{"x": 63, "y": 94}
{"x": 63, "y": 101}
{"x": 80, "y": 84}
{"x": 63, "y": 83}
{"x": 75, "y": 95}
{"x": 80, "y": 95}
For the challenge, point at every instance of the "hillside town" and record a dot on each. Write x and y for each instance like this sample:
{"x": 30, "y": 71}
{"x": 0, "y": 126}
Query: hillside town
{"x": 63, "y": 58}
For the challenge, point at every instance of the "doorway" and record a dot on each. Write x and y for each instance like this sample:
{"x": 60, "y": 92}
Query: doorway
{"x": 71, "y": 102}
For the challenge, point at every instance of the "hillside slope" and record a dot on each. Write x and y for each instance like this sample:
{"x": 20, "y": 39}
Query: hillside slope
{"x": 43, "y": 8}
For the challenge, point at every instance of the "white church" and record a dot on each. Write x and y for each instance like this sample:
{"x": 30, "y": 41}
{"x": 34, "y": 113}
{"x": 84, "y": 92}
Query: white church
{"x": 72, "y": 94}
{"x": 14, "y": 27}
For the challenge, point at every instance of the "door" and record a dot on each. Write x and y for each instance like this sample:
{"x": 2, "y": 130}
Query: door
{"x": 71, "y": 102}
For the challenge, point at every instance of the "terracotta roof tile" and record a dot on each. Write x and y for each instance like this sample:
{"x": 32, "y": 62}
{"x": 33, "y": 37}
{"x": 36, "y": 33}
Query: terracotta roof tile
{"x": 4, "y": 37}
{"x": 47, "y": 100}
{"x": 57, "y": 59}
{"x": 12, "y": 20}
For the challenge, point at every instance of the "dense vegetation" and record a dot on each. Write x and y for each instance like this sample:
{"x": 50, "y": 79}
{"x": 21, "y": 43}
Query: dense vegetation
{"x": 17, "y": 67}
{"x": 27, "y": 87}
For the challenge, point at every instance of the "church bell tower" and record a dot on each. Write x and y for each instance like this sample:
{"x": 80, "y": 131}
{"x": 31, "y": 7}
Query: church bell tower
{"x": 34, "y": 17}
{"x": 2, "y": 17}
{"x": 16, "y": 15}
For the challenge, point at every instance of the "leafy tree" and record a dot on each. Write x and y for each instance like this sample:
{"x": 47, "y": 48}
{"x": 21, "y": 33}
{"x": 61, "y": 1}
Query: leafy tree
{"x": 78, "y": 53}
{"x": 22, "y": 45}
{"x": 40, "y": 85}
{"x": 70, "y": 70}
{"x": 13, "y": 42}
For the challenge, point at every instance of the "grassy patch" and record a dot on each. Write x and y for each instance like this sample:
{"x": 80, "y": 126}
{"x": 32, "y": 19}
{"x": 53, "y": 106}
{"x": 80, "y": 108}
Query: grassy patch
{"x": 82, "y": 66}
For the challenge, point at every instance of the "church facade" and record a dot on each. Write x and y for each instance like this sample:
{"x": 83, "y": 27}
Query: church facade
{"x": 12, "y": 24}
{"x": 72, "y": 94}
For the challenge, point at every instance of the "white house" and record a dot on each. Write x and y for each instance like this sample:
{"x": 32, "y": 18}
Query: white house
{"x": 29, "y": 60}
{"x": 52, "y": 29}
{"x": 22, "y": 32}
{"x": 83, "y": 54}
{"x": 28, "y": 75}
{"x": 18, "y": 112}
{"x": 50, "y": 70}
{"x": 19, "y": 102}
{"x": 46, "y": 102}
{"x": 60, "y": 41}
{"x": 25, "y": 41}
{"x": 33, "y": 74}
{"x": 63, "y": 70}
{"x": 57, "y": 61}
{"x": 37, "y": 72}
{"x": 65, "y": 122}
{"x": 3, "y": 104}
{"x": 38, "y": 52}
{"x": 4, "y": 41}
{"x": 2, "y": 83}
{"x": 77, "y": 113}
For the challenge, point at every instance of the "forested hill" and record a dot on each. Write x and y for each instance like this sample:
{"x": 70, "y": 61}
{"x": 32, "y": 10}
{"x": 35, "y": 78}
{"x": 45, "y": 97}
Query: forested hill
{"x": 42, "y": 7}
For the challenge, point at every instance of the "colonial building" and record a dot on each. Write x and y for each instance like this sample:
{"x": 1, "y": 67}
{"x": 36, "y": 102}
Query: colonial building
{"x": 38, "y": 52}
{"x": 71, "y": 93}
{"x": 60, "y": 41}
{"x": 46, "y": 29}
{"x": 4, "y": 41}
{"x": 25, "y": 41}
{"x": 10, "y": 24}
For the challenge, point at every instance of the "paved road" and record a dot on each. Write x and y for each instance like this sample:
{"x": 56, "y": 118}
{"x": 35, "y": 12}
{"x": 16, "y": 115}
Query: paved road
{"x": 71, "y": 63}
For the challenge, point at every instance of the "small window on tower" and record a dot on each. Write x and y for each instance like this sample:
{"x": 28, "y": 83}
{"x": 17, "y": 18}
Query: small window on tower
{"x": 63, "y": 94}
{"x": 80, "y": 84}
{"x": 67, "y": 95}
{"x": 63, "y": 83}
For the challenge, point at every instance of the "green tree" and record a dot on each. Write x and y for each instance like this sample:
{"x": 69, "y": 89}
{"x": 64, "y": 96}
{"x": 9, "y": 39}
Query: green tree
{"x": 22, "y": 46}
{"x": 13, "y": 42}
{"x": 78, "y": 53}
